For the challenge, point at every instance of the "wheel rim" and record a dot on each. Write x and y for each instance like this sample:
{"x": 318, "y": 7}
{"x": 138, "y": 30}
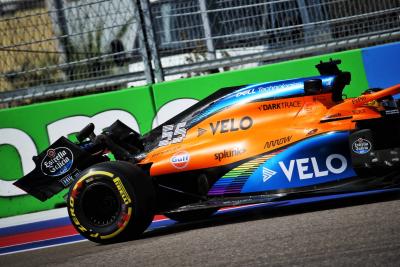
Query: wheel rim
{"x": 101, "y": 205}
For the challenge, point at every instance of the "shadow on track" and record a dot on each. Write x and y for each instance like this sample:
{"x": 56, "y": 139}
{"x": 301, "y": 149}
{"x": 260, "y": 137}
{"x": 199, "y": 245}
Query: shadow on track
{"x": 258, "y": 213}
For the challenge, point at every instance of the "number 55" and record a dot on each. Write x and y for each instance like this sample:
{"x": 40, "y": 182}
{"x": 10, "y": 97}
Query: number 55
{"x": 172, "y": 134}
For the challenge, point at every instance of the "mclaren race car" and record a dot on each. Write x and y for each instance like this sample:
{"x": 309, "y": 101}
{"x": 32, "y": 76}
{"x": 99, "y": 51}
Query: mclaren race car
{"x": 254, "y": 143}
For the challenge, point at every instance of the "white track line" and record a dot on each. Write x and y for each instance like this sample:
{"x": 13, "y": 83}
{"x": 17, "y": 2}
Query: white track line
{"x": 33, "y": 217}
{"x": 47, "y": 246}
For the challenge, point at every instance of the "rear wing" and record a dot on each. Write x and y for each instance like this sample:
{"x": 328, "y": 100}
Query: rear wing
{"x": 61, "y": 163}
{"x": 56, "y": 168}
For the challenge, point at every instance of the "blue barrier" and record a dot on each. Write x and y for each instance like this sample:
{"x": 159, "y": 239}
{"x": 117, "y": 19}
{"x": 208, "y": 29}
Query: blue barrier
{"x": 381, "y": 64}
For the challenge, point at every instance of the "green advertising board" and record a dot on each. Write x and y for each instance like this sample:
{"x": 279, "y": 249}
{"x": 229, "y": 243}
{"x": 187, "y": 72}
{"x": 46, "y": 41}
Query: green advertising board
{"x": 26, "y": 131}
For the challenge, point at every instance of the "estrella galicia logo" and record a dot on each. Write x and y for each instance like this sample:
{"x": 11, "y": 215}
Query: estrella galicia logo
{"x": 361, "y": 146}
{"x": 57, "y": 161}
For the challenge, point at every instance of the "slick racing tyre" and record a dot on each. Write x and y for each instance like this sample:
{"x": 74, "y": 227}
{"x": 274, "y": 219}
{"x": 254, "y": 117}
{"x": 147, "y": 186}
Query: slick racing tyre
{"x": 111, "y": 202}
{"x": 191, "y": 215}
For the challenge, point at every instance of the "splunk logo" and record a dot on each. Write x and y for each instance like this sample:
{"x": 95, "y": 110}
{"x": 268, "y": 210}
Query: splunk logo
{"x": 309, "y": 168}
{"x": 229, "y": 153}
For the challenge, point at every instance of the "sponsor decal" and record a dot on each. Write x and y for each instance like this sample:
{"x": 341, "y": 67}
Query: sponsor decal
{"x": 391, "y": 112}
{"x": 277, "y": 142}
{"x": 231, "y": 125}
{"x": 358, "y": 99}
{"x": 122, "y": 191}
{"x": 246, "y": 92}
{"x": 320, "y": 159}
{"x": 281, "y": 105}
{"x": 57, "y": 161}
{"x": 278, "y": 87}
{"x": 201, "y": 131}
{"x": 308, "y": 168}
{"x": 172, "y": 134}
{"x": 180, "y": 160}
{"x": 267, "y": 174}
{"x": 361, "y": 146}
{"x": 67, "y": 180}
{"x": 229, "y": 153}
{"x": 265, "y": 89}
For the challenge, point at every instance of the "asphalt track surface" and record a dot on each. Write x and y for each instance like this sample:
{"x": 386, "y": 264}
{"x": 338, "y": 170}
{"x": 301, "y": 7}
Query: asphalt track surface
{"x": 363, "y": 231}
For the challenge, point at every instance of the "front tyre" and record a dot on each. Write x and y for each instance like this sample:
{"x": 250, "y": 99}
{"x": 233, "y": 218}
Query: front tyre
{"x": 111, "y": 202}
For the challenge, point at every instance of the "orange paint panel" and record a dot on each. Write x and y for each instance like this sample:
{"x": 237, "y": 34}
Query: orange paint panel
{"x": 246, "y": 130}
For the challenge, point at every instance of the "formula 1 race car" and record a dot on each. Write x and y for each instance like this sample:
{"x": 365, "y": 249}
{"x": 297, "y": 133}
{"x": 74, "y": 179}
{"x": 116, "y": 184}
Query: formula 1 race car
{"x": 248, "y": 144}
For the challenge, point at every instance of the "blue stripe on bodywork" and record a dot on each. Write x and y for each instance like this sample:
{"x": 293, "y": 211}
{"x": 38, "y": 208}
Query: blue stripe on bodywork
{"x": 263, "y": 91}
{"x": 317, "y": 160}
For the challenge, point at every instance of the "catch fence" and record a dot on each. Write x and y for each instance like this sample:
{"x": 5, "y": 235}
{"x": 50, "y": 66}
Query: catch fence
{"x": 53, "y": 48}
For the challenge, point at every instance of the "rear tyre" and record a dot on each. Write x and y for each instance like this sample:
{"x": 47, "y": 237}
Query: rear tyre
{"x": 191, "y": 215}
{"x": 111, "y": 202}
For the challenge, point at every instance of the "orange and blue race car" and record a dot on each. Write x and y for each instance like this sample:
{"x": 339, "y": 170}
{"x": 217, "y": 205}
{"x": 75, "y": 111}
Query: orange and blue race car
{"x": 254, "y": 143}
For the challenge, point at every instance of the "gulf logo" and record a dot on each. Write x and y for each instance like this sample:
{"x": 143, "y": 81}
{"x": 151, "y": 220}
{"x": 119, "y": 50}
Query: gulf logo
{"x": 180, "y": 159}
